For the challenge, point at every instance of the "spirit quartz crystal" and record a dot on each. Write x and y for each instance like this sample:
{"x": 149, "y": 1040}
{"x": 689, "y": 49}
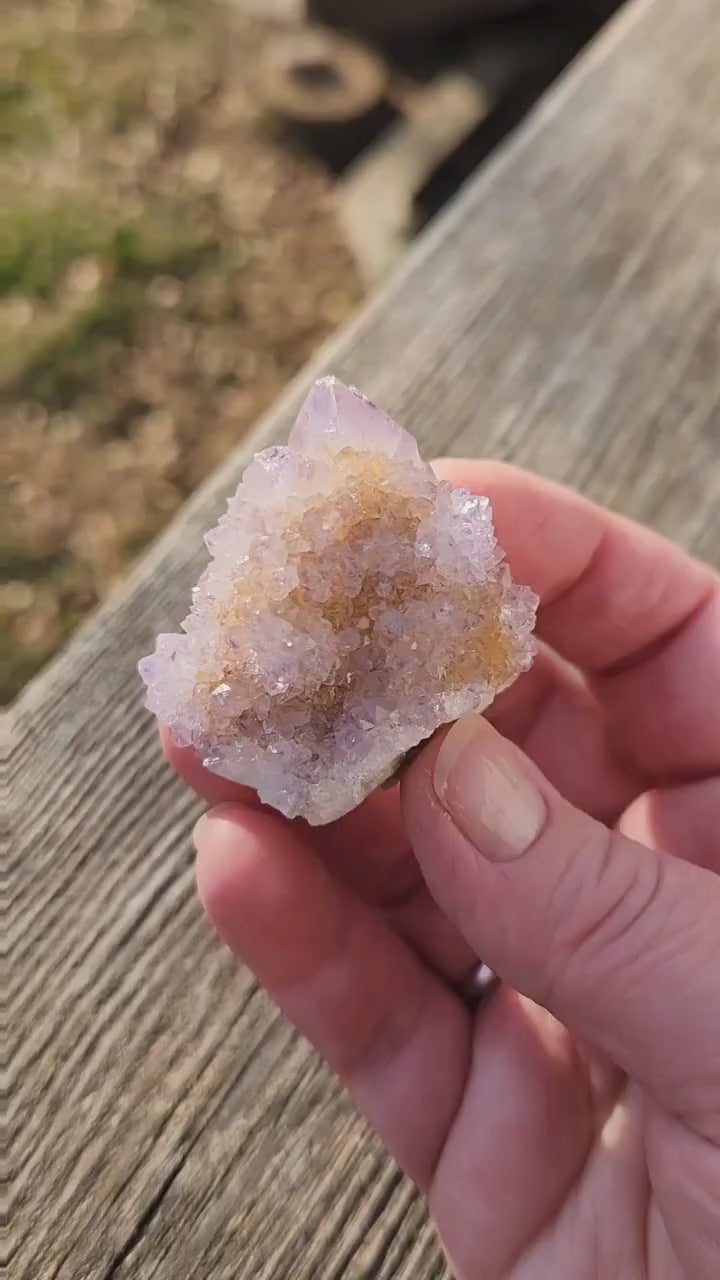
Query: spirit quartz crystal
{"x": 353, "y": 603}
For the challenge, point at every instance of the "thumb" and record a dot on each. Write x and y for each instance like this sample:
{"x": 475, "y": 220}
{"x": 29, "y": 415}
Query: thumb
{"x": 620, "y": 942}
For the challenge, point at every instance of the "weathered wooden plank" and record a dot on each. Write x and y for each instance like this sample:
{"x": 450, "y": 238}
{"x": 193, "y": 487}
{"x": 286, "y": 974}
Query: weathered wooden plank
{"x": 163, "y": 1121}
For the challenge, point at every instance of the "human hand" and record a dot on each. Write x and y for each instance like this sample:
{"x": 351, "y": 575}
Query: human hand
{"x": 569, "y": 1126}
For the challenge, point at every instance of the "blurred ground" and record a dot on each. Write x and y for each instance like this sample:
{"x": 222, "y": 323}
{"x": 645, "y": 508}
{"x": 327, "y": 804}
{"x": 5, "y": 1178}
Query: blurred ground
{"x": 166, "y": 263}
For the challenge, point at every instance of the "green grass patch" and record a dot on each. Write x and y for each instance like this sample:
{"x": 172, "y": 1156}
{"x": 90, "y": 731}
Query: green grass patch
{"x": 18, "y": 664}
{"x": 21, "y": 118}
{"x": 38, "y": 247}
{"x": 78, "y": 363}
{"x": 16, "y": 562}
{"x": 39, "y": 243}
{"x": 148, "y": 248}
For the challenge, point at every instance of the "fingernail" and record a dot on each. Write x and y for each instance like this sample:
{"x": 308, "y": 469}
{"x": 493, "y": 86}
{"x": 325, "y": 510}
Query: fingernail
{"x": 481, "y": 781}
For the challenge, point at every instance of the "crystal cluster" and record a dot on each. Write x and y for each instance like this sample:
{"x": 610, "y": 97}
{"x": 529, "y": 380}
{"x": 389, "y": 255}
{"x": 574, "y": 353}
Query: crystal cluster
{"x": 352, "y": 605}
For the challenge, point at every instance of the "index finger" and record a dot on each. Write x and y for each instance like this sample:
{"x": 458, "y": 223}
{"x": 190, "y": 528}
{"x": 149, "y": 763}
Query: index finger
{"x": 639, "y": 615}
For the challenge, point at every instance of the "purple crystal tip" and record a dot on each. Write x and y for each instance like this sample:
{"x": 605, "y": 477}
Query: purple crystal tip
{"x": 353, "y": 603}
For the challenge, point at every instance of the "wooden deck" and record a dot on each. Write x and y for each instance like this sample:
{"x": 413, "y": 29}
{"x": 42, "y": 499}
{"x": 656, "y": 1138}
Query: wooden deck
{"x": 163, "y": 1120}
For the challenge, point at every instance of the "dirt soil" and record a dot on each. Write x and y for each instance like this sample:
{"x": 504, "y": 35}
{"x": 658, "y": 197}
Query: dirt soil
{"x": 166, "y": 263}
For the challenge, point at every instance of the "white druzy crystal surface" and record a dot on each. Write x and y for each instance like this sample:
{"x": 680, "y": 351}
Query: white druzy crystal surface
{"x": 352, "y": 605}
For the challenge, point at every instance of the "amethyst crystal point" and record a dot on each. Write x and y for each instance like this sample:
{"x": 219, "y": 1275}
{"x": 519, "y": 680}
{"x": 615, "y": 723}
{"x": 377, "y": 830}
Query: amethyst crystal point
{"x": 353, "y": 603}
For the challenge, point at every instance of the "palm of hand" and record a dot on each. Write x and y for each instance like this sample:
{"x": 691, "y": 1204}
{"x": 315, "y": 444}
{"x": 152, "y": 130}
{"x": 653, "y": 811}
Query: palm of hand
{"x": 539, "y": 1154}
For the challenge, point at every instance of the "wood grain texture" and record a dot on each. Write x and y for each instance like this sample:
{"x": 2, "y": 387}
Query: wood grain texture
{"x": 163, "y": 1121}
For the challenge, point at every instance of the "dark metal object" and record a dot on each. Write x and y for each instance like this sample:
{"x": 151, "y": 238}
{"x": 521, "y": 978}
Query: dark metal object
{"x": 409, "y": 17}
{"x": 330, "y": 91}
{"x": 316, "y": 75}
{"x": 477, "y": 988}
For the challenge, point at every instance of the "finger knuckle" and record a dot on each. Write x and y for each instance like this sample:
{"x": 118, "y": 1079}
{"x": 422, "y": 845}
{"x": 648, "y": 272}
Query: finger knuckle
{"x": 603, "y": 909}
{"x": 381, "y": 1042}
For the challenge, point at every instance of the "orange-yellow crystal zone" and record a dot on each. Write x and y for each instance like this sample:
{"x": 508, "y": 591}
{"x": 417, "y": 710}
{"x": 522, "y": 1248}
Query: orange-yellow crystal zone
{"x": 366, "y": 483}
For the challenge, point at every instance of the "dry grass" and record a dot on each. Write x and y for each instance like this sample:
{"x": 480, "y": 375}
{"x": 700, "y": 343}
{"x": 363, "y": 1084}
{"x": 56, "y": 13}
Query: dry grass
{"x": 165, "y": 265}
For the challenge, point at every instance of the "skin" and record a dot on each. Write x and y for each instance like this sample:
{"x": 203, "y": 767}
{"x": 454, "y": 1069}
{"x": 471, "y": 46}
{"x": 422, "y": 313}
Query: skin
{"x": 570, "y": 1126}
